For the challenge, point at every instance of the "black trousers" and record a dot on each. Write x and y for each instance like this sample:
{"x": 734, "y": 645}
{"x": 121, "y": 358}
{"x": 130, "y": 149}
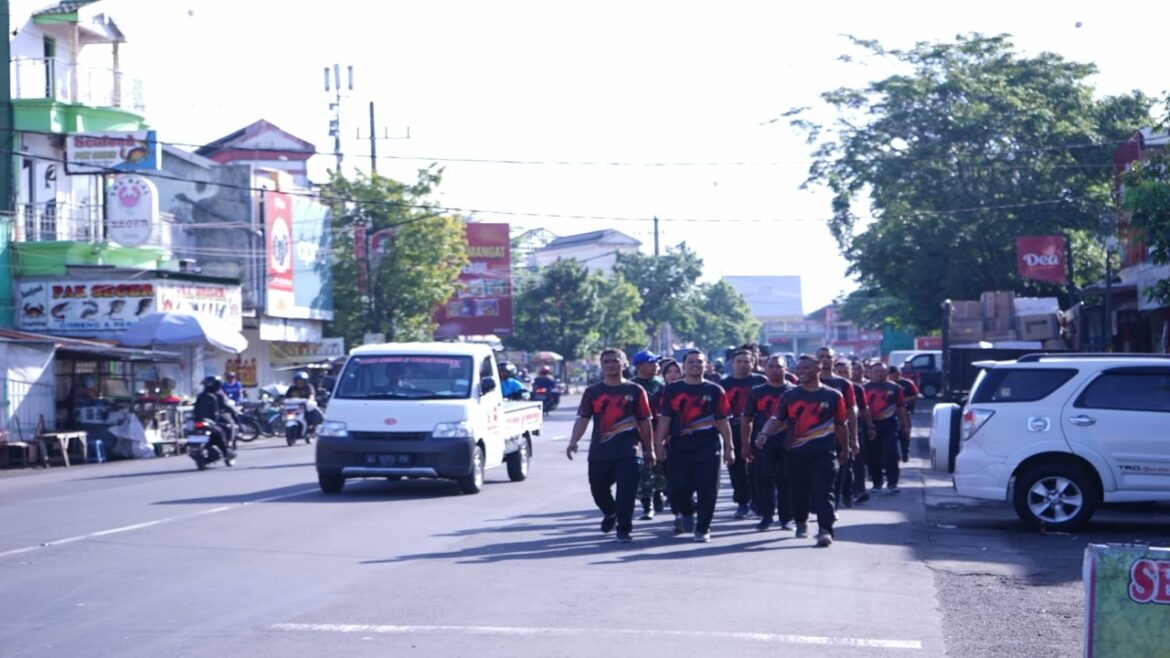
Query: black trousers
{"x": 741, "y": 486}
{"x": 624, "y": 472}
{"x": 767, "y": 471}
{"x": 883, "y": 458}
{"x": 693, "y": 471}
{"x": 811, "y": 476}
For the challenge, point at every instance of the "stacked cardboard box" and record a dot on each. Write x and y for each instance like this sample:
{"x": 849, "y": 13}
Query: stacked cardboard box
{"x": 998, "y": 315}
{"x": 966, "y": 322}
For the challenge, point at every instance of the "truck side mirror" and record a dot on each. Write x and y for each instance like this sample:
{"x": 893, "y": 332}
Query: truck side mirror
{"x": 487, "y": 385}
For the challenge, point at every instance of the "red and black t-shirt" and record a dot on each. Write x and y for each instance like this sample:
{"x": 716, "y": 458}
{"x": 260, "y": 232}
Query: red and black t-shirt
{"x": 909, "y": 390}
{"x": 762, "y": 402}
{"x": 693, "y": 410}
{"x": 859, "y": 396}
{"x": 737, "y": 391}
{"x": 884, "y": 398}
{"x": 615, "y": 412}
{"x": 812, "y": 417}
{"x": 842, "y": 386}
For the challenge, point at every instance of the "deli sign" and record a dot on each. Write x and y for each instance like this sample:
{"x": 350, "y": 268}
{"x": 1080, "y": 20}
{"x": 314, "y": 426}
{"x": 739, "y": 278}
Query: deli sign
{"x": 1042, "y": 258}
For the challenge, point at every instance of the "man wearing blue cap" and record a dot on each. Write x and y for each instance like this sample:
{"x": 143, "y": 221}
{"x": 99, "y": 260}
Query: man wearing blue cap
{"x": 652, "y": 486}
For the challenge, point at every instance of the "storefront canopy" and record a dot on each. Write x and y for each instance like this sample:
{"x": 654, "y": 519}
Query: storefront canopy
{"x": 180, "y": 328}
{"x": 90, "y": 350}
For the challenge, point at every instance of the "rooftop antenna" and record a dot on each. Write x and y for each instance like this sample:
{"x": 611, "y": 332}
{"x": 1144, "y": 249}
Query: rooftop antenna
{"x": 335, "y": 108}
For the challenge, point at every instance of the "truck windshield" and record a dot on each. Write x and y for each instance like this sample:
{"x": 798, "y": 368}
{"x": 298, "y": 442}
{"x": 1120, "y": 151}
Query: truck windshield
{"x": 405, "y": 377}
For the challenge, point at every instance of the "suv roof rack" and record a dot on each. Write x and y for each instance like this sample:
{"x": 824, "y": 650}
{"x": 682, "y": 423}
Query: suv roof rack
{"x": 1036, "y": 356}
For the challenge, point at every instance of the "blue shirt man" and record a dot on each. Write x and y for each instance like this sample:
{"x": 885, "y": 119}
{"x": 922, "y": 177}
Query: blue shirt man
{"x": 232, "y": 388}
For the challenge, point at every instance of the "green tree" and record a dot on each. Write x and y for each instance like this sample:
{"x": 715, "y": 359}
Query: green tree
{"x": 403, "y": 286}
{"x": 558, "y": 312}
{"x": 665, "y": 284}
{"x": 617, "y": 325}
{"x": 722, "y": 317}
{"x": 1147, "y": 200}
{"x": 972, "y": 147}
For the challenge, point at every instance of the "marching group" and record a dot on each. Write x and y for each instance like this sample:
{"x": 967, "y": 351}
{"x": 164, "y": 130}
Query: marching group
{"x": 795, "y": 443}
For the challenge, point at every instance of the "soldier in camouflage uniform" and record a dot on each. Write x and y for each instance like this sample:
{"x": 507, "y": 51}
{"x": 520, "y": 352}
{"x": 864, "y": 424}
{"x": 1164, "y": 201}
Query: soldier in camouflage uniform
{"x": 652, "y": 487}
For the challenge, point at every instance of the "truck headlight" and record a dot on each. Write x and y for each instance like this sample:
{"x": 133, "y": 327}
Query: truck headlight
{"x": 459, "y": 430}
{"x": 332, "y": 429}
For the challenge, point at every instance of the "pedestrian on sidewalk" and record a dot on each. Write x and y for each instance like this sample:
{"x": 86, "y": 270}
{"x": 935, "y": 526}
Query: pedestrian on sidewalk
{"x": 887, "y": 407}
{"x": 817, "y": 443}
{"x": 620, "y": 413}
{"x": 911, "y": 393}
{"x": 693, "y": 417}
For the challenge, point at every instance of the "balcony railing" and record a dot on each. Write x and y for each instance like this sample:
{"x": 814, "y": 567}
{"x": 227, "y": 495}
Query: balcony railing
{"x": 50, "y": 78}
{"x": 39, "y": 222}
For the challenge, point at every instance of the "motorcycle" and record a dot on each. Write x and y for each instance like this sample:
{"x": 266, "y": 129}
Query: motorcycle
{"x": 198, "y": 434}
{"x": 264, "y": 414}
{"x": 296, "y": 423}
{"x": 549, "y": 397}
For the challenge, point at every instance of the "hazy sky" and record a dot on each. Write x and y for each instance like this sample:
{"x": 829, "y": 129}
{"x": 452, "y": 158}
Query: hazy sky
{"x": 649, "y": 89}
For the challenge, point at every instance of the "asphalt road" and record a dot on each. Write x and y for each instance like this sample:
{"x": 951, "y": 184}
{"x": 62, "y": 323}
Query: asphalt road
{"x": 152, "y": 558}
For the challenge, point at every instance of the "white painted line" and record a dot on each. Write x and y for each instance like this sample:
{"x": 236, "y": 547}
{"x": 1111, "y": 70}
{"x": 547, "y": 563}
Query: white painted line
{"x": 559, "y": 437}
{"x": 148, "y": 524}
{"x": 771, "y": 638}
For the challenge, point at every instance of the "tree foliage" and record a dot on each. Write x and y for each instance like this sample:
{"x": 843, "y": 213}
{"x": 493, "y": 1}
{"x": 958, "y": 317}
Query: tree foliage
{"x": 1147, "y": 200}
{"x": 722, "y": 317}
{"x": 971, "y": 147}
{"x": 664, "y": 283}
{"x": 559, "y": 311}
{"x": 619, "y": 302}
{"x": 405, "y": 285}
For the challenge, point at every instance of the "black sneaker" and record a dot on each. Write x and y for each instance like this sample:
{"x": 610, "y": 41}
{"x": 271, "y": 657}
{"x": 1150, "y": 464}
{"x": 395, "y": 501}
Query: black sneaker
{"x": 764, "y": 524}
{"x": 894, "y": 489}
{"x": 624, "y": 537}
{"x": 786, "y": 525}
{"x": 702, "y": 537}
{"x": 647, "y": 514}
{"x": 688, "y": 522}
{"x": 861, "y": 499}
{"x": 801, "y": 530}
{"x": 659, "y": 504}
{"x": 824, "y": 538}
{"x": 608, "y": 523}
{"x": 678, "y": 525}
{"x": 742, "y": 511}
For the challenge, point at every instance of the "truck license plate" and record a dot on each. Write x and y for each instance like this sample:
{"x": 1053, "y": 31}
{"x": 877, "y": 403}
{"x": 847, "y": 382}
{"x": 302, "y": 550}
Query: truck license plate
{"x": 387, "y": 460}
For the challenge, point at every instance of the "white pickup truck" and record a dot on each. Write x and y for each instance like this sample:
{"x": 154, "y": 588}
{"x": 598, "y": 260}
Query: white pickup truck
{"x": 423, "y": 410}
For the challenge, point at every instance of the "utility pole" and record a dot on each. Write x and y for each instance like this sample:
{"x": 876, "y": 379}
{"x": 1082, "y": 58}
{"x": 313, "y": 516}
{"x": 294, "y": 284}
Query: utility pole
{"x": 373, "y": 143}
{"x": 335, "y": 107}
{"x": 656, "y": 236}
{"x": 7, "y": 175}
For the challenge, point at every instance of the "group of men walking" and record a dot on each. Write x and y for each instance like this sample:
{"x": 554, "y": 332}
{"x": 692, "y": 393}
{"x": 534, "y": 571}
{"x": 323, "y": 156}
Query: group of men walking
{"x": 795, "y": 444}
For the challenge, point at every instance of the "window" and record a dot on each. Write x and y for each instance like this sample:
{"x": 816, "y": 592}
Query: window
{"x": 1130, "y": 389}
{"x": 409, "y": 377}
{"x": 1019, "y": 385}
{"x": 922, "y": 362}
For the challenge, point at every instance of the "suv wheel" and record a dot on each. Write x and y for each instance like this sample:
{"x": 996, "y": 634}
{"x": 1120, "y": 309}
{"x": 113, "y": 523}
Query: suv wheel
{"x": 1058, "y": 497}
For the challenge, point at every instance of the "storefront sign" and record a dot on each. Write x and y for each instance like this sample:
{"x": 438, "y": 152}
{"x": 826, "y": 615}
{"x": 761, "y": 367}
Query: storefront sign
{"x": 1127, "y": 601}
{"x": 1041, "y": 258}
{"x": 131, "y": 210}
{"x": 103, "y": 153}
{"x": 214, "y": 300}
{"x": 296, "y": 353}
{"x": 483, "y": 301}
{"x": 299, "y": 257}
{"x": 278, "y": 220}
{"x": 83, "y": 306}
{"x": 245, "y": 370}
{"x": 290, "y": 331}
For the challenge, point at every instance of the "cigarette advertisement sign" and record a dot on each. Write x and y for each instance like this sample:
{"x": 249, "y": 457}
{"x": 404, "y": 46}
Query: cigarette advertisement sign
{"x": 1127, "y": 601}
{"x": 300, "y": 243}
{"x": 482, "y": 303}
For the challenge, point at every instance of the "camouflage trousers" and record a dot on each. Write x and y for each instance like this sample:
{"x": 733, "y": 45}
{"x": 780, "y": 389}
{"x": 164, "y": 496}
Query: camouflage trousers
{"x": 653, "y": 481}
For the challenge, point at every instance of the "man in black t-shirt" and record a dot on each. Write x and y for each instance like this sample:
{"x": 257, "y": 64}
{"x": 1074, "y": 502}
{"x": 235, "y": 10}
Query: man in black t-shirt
{"x": 887, "y": 407}
{"x": 911, "y": 394}
{"x": 620, "y": 412}
{"x": 817, "y": 443}
{"x": 738, "y": 386}
{"x": 766, "y": 456}
{"x": 693, "y": 415}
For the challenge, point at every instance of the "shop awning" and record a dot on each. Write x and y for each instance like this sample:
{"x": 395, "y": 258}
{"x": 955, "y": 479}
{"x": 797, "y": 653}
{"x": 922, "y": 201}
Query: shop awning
{"x": 90, "y": 350}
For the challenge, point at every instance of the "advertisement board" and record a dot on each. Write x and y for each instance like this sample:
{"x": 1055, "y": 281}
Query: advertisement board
{"x": 278, "y": 252}
{"x": 299, "y": 245}
{"x": 1042, "y": 258}
{"x": 219, "y": 301}
{"x": 298, "y": 353}
{"x": 107, "y": 152}
{"x": 482, "y": 303}
{"x": 131, "y": 210}
{"x": 87, "y": 307}
{"x": 1127, "y": 601}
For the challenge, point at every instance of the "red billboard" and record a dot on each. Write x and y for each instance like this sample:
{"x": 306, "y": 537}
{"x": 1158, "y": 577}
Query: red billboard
{"x": 278, "y": 215}
{"x": 482, "y": 303}
{"x": 1042, "y": 258}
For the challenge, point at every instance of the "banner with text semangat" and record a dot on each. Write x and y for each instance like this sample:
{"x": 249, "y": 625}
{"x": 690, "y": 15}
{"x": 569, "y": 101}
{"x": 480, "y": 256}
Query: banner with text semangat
{"x": 482, "y": 303}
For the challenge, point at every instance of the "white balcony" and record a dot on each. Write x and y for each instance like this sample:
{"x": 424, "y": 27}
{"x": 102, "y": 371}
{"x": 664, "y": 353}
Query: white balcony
{"x": 50, "y": 78}
{"x": 40, "y": 222}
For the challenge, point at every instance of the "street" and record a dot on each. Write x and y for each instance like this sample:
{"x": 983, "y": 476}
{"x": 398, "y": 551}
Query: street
{"x": 152, "y": 558}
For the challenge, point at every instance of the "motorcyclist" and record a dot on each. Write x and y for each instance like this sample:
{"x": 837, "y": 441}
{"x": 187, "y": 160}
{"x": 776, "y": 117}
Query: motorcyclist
{"x": 211, "y": 405}
{"x": 546, "y": 381}
{"x": 303, "y": 389}
{"x": 510, "y": 387}
{"x": 232, "y": 387}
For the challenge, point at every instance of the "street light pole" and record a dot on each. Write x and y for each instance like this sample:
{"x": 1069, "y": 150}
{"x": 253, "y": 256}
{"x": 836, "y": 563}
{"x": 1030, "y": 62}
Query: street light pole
{"x": 1110, "y": 246}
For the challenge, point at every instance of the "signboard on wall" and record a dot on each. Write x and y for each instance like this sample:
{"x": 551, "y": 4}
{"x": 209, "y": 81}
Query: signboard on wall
{"x": 298, "y": 257}
{"x": 83, "y": 306}
{"x": 482, "y": 303}
{"x": 106, "y": 152}
{"x": 278, "y": 229}
{"x": 296, "y": 353}
{"x": 131, "y": 210}
{"x": 221, "y": 302}
{"x": 1042, "y": 258}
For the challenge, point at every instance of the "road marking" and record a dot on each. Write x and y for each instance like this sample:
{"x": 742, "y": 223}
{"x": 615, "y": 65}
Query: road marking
{"x": 559, "y": 437}
{"x": 771, "y": 638}
{"x": 148, "y": 524}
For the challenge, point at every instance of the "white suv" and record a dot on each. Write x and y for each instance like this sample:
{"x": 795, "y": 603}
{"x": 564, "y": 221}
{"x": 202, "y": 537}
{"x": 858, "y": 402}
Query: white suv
{"x": 1058, "y": 434}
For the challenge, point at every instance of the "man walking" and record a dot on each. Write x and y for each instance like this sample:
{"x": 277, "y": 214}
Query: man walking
{"x": 851, "y": 478}
{"x": 738, "y": 386}
{"x": 765, "y": 456}
{"x": 911, "y": 394}
{"x": 694, "y": 415}
{"x": 620, "y": 412}
{"x": 887, "y": 407}
{"x": 652, "y": 482}
{"x": 817, "y": 443}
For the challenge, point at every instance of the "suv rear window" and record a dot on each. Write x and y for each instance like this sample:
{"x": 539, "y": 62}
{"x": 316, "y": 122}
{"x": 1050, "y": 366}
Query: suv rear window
{"x": 1131, "y": 389}
{"x": 1019, "y": 384}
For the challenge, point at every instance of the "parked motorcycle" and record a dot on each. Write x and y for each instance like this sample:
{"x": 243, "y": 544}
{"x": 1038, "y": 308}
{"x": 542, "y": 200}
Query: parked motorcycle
{"x": 198, "y": 435}
{"x": 261, "y": 417}
{"x": 296, "y": 423}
